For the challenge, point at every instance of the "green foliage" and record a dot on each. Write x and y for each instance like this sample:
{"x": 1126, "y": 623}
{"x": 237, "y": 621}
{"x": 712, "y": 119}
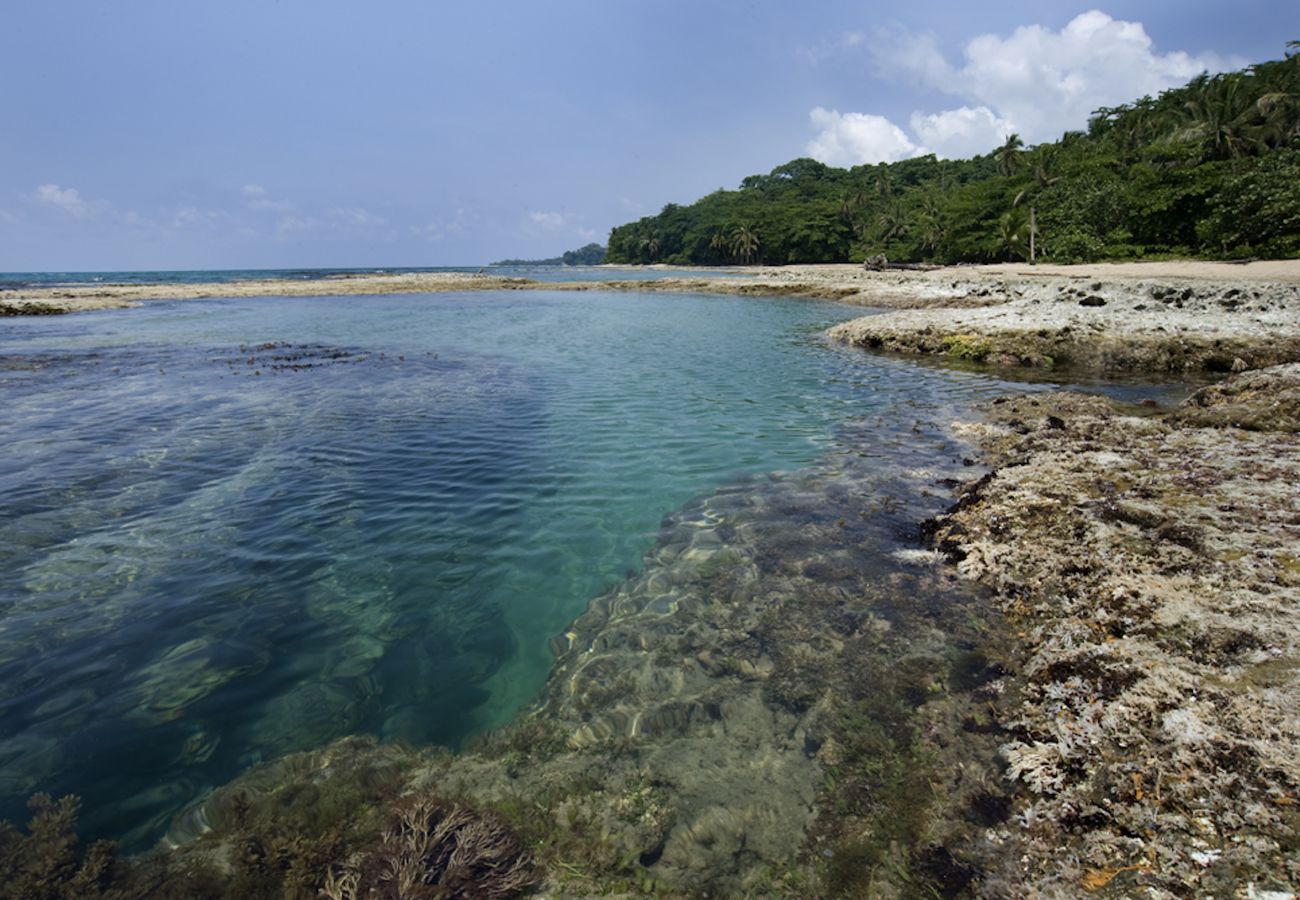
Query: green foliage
{"x": 590, "y": 255}
{"x": 1207, "y": 169}
{"x": 1256, "y": 211}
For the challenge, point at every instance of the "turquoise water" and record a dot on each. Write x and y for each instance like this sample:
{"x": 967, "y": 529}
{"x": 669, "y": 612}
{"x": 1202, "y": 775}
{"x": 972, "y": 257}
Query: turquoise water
{"x": 232, "y": 529}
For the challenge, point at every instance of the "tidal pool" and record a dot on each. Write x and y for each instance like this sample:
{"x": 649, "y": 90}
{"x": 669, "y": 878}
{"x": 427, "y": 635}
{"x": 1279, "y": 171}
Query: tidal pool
{"x": 233, "y": 529}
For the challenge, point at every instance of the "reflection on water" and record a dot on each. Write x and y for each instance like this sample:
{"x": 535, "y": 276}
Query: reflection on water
{"x": 234, "y": 529}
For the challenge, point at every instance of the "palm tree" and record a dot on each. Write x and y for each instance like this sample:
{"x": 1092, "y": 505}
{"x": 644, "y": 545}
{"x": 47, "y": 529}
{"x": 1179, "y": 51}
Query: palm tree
{"x": 851, "y": 204}
{"x": 884, "y": 183}
{"x": 1009, "y": 156}
{"x": 744, "y": 243}
{"x": 1277, "y": 103}
{"x": 1044, "y": 161}
{"x": 892, "y": 223}
{"x": 1219, "y": 116}
{"x": 1012, "y": 238}
{"x": 720, "y": 243}
{"x": 650, "y": 247}
{"x": 929, "y": 224}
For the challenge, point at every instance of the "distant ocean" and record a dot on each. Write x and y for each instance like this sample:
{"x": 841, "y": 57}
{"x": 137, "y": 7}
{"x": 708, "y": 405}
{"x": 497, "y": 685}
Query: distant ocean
{"x": 11, "y": 281}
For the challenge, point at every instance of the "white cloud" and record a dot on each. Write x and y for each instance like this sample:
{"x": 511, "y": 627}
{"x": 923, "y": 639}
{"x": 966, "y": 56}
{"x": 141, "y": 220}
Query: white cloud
{"x": 1036, "y": 82}
{"x": 437, "y": 231}
{"x": 851, "y": 139}
{"x": 66, "y": 200}
{"x": 294, "y": 224}
{"x": 963, "y": 132}
{"x": 815, "y": 55}
{"x": 192, "y": 216}
{"x": 548, "y": 219}
{"x": 1043, "y": 82}
{"x": 356, "y": 215}
{"x": 258, "y": 199}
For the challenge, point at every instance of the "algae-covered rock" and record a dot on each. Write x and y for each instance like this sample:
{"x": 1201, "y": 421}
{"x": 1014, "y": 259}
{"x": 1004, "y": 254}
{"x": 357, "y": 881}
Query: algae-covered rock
{"x": 1148, "y": 564}
{"x": 1113, "y": 327}
{"x": 1262, "y": 400}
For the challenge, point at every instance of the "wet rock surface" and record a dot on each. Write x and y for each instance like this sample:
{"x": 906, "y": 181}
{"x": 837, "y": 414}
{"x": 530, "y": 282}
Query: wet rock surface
{"x": 1265, "y": 400}
{"x": 1105, "y": 327}
{"x": 1148, "y": 564}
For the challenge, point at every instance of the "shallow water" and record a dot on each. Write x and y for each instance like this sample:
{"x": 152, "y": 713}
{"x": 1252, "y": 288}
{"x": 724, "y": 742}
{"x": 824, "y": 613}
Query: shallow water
{"x": 233, "y": 529}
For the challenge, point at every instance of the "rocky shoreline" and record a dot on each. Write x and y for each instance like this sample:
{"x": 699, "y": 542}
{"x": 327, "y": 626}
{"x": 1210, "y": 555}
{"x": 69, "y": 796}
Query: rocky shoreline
{"x": 1148, "y": 564}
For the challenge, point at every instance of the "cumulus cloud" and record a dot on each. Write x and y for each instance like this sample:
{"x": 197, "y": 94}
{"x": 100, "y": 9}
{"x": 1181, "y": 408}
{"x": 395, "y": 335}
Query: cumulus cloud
{"x": 66, "y": 200}
{"x": 962, "y": 132}
{"x": 851, "y": 139}
{"x": 1044, "y": 82}
{"x": 1036, "y": 82}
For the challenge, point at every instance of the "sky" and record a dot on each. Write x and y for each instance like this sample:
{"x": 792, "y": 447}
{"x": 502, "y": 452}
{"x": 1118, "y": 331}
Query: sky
{"x": 152, "y": 134}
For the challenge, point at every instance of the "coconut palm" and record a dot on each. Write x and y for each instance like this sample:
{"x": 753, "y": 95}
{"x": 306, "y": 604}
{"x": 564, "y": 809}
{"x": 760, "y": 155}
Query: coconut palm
{"x": 720, "y": 242}
{"x": 1012, "y": 237}
{"x": 1044, "y": 162}
{"x": 1218, "y": 115}
{"x": 884, "y": 183}
{"x": 1010, "y": 156}
{"x": 744, "y": 243}
{"x": 850, "y": 205}
{"x": 892, "y": 223}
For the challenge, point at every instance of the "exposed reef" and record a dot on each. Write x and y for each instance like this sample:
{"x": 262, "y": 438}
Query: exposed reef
{"x": 1148, "y": 564}
{"x": 956, "y": 287}
{"x": 1104, "y": 327}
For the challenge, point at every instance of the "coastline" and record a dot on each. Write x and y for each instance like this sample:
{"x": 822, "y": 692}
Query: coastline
{"x": 1147, "y": 564}
{"x": 1146, "y": 718}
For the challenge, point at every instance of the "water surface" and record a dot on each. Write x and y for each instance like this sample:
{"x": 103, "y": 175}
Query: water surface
{"x": 236, "y": 528}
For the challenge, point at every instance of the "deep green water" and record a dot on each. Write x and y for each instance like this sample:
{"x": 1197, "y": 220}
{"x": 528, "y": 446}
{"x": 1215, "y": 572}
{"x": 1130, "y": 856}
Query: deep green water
{"x": 214, "y": 551}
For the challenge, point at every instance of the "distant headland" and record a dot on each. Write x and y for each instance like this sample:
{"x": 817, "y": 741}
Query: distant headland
{"x": 590, "y": 255}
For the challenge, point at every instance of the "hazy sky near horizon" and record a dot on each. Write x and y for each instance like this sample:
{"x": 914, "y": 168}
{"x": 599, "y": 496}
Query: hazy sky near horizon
{"x": 283, "y": 133}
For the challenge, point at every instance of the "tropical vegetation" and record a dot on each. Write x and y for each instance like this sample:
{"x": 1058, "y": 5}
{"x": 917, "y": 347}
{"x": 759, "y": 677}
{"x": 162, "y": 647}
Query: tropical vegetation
{"x": 590, "y": 255}
{"x": 1210, "y": 169}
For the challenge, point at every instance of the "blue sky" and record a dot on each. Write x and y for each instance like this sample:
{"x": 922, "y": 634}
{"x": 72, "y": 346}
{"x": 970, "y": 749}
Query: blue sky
{"x": 159, "y": 134}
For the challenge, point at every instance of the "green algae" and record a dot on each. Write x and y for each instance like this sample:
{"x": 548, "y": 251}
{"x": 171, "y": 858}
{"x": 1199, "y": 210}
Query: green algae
{"x": 967, "y": 347}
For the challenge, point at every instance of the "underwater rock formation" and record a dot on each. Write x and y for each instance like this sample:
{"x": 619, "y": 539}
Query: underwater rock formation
{"x": 791, "y": 699}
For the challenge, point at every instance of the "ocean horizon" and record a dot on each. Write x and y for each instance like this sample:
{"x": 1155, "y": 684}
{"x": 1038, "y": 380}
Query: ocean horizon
{"x": 13, "y": 281}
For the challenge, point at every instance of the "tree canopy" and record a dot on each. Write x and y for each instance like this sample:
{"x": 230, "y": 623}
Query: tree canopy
{"x": 589, "y": 255}
{"x": 1209, "y": 169}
